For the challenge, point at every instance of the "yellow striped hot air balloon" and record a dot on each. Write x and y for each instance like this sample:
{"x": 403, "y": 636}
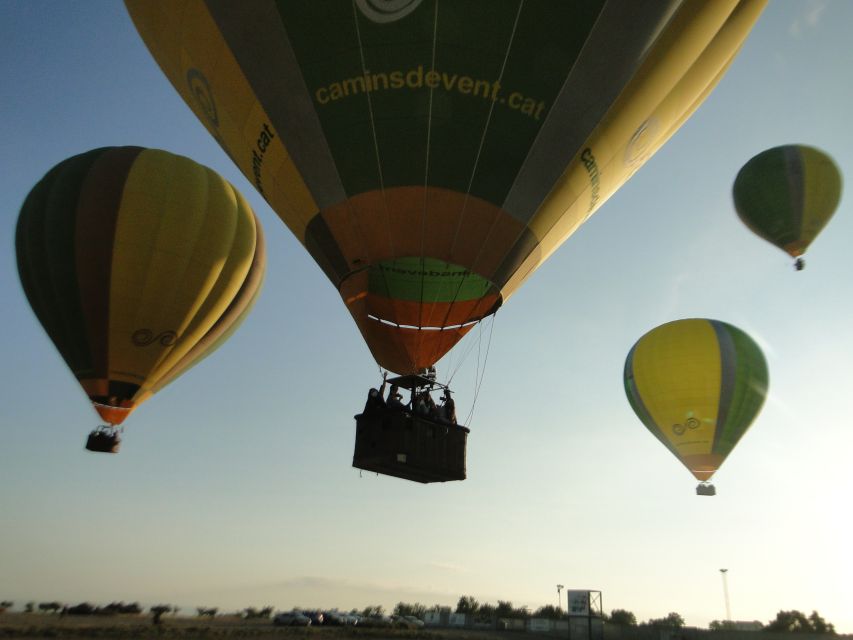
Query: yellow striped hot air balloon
{"x": 697, "y": 385}
{"x": 431, "y": 155}
{"x": 138, "y": 263}
{"x": 786, "y": 195}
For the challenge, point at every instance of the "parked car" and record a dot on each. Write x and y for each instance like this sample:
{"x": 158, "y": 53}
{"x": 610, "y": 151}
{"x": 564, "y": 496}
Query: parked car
{"x": 291, "y": 619}
{"x": 351, "y": 618}
{"x": 376, "y": 621}
{"x": 316, "y": 617}
{"x": 415, "y": 621}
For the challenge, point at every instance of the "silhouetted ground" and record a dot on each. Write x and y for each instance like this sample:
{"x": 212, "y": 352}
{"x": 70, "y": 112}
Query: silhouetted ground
{"x": 52, "y": 626}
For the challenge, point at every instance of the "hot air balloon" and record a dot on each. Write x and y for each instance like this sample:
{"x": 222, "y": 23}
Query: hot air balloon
{"x": 431, "y": 156}
{"x": 138, "y": 263}
{"x": 786, "y": 195}
{"x": 697, "y": 385}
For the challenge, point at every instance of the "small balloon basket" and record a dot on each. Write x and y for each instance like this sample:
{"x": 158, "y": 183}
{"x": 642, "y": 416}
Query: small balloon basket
{"x": 104, "y": 439}
{"x": 397, "y": 443}
{"x": 706, "y": 489}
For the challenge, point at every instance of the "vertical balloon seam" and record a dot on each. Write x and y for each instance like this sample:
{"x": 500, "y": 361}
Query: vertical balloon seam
{"x": 795, "y": 175}
{"x": 730, "y": 371}
{"x": 752, "y": 387}
{"x": 216, "y": 260}
{"x": 31, "y": 254}
{"x": 635, "y": 399}
{"x": 232, "y": 317}
{"x": 61, "y": 213}
{"x": 99, "y": 206}
{"x": 154, "y": 212}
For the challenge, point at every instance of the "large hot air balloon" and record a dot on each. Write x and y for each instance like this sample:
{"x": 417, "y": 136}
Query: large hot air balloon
{"x": 431, "y": 155}
{"x": 138, "y": 263}
{"x": 787, "y": 194}
{"x": 697, "y": 385}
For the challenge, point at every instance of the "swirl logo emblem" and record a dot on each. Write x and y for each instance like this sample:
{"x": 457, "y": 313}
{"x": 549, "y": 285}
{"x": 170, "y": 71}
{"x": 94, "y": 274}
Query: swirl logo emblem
{"x": 144, "y": 337}
{"x": 641, "y": 146}
{"x": 200, "y": 88}
{"x": 383, "y": 11}
{"x": 690, "y": 423}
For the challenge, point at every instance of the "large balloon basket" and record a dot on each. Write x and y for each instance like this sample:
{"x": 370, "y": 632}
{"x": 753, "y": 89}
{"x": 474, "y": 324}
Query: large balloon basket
{"x": 104, "y": 439}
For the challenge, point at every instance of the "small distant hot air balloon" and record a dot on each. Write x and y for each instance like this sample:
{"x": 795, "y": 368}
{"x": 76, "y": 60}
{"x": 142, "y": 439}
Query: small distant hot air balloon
{"x": 138, "y": 263}
{"x": 697, "y": 385}
{"x": 786, "y": 195}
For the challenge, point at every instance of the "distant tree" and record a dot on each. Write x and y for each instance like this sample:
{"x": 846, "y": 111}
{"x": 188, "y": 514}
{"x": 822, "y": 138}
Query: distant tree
{"x": 373, "y": 611}
{"x": 157, "y": 612}
{"x": 623, "y": 617}
{"x": 205, "y": 611}
{"x": 795, "y": 621}
{"x": 486, "y": 612}
{"x": 82, "y": 609}
{"x": 521, "y": 612}
{"x": 467, "y": 604}
{"x": 549, "y": 612}
{"x": 406, "y": 609}
{"x": 175, "y": 610}
{"x": 28, "y": 608}
{"x": 722, "y": 625}
{"x": 671, "y": 621}
{"x": 6, "y": 605}
{"x": 504, "y": 609}
{"x": 50, "y": 606}
{"x": 266, "y": 612}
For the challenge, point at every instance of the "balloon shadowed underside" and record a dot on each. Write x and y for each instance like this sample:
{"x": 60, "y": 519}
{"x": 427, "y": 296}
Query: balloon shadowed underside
{"x": 786, "y": 195}
{"x": 697, "y": 385}
{"x": 429, "y": 155}
{"x": 138, "y": 263}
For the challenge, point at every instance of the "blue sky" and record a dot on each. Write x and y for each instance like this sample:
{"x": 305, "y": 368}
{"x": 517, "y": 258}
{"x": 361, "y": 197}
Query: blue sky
{"x": 234, "y": 486}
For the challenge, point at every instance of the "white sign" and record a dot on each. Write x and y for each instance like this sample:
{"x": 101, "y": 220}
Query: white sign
{"x": 578, "y": 603}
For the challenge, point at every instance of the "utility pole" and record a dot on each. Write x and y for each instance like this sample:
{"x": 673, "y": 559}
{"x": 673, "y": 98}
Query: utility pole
{"x": 559, "y": 588}
{"x": 723, "y": 572}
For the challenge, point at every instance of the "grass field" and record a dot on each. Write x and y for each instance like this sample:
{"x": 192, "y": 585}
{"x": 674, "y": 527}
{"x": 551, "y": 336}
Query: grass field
{"x": 39, "y": 626}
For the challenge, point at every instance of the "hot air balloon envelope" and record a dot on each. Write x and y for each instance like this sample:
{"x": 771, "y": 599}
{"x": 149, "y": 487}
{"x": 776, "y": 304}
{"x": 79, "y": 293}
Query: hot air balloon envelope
{"x": 787, "y": 194}
{"x": 697, "y": 385}
{"x": 430, "y": 156}
{"x": 138, "y": 263}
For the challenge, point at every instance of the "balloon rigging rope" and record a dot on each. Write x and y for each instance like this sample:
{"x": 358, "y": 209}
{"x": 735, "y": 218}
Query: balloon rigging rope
{"x": 482, "y": 372}
{"x": 376, "y": 150}
{"x": 477, "y": 164}
{"x": 426, "y": 187}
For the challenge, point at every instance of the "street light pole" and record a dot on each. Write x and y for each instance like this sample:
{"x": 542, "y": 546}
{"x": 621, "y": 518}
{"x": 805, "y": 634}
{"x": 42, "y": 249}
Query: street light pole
{"x": 559, "y": 588}
{"x": 723, "y": 572}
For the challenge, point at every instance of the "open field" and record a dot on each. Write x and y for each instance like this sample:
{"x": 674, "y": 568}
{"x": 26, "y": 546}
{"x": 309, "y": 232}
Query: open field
{"x": 44, "y": 626}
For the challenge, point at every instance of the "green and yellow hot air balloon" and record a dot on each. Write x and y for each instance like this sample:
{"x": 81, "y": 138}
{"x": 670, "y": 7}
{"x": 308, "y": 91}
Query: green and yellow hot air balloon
{"x": 431, "y": 155}
{"x": 786, "y": 195}
{"x": 138, "y": 263}
{"x": 697, "y": 385}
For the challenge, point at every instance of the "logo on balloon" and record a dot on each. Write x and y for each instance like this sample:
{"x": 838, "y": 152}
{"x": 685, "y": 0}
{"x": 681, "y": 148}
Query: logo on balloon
{"x": 690, "y": 423}
{"x": 144, "y": 337}
{"x": 641, "y": 145}
{"x": 383, "y": 11}
{"x": 200, "y": 88}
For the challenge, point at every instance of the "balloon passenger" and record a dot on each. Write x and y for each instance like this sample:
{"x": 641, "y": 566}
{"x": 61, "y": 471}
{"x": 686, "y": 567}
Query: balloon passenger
{"x": 394, "y": 398}
{"x": 447, "y": 409}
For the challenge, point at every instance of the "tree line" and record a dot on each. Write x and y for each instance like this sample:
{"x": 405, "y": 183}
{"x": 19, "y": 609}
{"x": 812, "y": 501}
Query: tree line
{"x": 786, "y": 621}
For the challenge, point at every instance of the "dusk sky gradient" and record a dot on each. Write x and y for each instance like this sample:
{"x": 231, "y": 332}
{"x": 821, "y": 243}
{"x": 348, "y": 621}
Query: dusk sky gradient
{"x": 234, "y": 485}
